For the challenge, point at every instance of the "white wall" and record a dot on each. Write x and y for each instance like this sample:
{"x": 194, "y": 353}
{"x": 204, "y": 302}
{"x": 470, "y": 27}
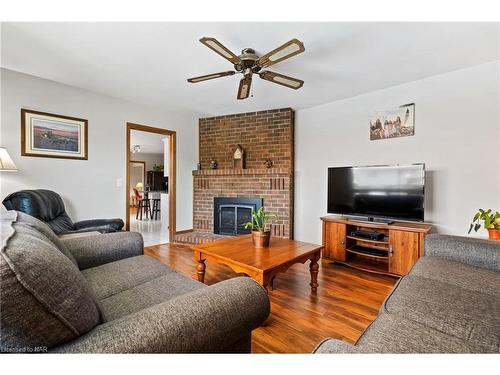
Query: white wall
{"x": 89, "y": 188}
{"x": 457, "y": 136}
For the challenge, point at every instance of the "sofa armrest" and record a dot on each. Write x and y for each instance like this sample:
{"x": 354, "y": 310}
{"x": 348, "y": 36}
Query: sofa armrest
{"x": 473, "y": 251}
{"x": 332, "y": 346}
{"x": 112, "y": 224}
{"x": 92, "y": 251}
{"x": 101, "y": 229}
{"x": 207, "y": 320}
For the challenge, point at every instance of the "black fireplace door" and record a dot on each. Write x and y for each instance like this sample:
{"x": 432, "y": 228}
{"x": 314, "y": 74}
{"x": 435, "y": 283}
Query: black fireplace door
{"x": 231, "y": 214}
{"x": 232, "y": 219}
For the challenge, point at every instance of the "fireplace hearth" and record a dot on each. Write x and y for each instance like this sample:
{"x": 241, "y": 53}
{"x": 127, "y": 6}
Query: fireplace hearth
{"x": 230, "y": 214}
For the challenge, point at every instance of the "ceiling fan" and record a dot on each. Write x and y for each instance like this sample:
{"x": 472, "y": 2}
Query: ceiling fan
{"x": 249, "y": 63}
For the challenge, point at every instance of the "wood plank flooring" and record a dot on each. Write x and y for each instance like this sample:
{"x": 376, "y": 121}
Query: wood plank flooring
{"x": 346, "y": 302}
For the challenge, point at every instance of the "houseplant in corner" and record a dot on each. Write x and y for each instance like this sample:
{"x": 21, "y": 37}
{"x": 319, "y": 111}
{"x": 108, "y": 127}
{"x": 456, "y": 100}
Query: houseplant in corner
{"x": 491, "y": 222}
{"x": 260, "y": 233}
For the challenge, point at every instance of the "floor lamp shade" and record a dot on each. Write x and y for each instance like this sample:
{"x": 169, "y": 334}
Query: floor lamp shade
{"x": 6, "y": 163}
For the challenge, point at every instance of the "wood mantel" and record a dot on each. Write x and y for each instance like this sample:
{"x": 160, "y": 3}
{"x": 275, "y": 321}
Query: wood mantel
{"x": 239, "y": 172}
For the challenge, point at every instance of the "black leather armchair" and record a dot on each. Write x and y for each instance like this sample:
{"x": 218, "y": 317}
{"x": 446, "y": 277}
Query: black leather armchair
{"x": 48, "y": 206}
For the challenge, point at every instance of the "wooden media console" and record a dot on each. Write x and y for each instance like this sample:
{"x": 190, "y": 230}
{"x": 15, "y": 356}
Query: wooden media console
{"x": 394, "y": 252}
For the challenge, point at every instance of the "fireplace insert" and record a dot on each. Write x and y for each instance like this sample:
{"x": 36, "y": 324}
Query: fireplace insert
{"x": 230, "y": 214}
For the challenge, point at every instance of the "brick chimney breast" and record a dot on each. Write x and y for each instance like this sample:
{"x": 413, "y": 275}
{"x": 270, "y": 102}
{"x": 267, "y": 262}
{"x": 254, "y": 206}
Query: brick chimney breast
{"x": 262, "y": 135}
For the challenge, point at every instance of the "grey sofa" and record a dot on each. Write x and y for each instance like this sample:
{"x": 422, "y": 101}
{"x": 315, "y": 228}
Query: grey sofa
{"x": 100, "y": 294}
{"x": 448, "y": 303}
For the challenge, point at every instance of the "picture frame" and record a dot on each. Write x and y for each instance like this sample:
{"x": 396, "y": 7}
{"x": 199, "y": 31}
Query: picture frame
{"x": 395, "y": 123}
{"x": 50, "y": 135}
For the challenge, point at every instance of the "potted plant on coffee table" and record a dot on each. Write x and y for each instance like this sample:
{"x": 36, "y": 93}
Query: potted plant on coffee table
{"x": 260, "y": 232}
{"x": 491, "y": 222}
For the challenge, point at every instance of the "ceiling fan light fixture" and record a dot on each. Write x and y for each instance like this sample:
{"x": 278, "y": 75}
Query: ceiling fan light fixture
{"x": 248, "y": 72}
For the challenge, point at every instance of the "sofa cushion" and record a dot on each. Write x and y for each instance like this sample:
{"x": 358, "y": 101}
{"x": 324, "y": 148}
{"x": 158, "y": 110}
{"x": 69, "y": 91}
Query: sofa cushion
{"x": 468, "y": 315}
{"x": 333, "y": 346}
{"x": 45, "y": 299}
{"x": 112, "y": 278}
{"x": 44, "y": 229}
{"x": 458, "y": 274}
{"x": 150, "y": 293}
{"x": 476, "y": 252}
{"x": 395, "y": 334}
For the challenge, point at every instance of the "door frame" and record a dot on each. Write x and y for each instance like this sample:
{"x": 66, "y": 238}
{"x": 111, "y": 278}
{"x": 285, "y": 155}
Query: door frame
{"x": 172, "y": 179}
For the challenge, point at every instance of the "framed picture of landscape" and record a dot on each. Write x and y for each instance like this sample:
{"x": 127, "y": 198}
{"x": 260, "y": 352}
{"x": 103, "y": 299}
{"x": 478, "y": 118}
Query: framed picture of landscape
{"x": 53, "y": 136}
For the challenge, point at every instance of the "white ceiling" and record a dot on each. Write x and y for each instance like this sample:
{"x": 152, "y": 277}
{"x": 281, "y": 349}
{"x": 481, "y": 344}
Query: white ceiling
{"x": 149, "y": 62}
{"x": 151, "y": 143}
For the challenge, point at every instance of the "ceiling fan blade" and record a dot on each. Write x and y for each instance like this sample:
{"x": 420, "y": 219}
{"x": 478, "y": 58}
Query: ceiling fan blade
{"x": 211, "y": 76}
{"x": 281, "y": 79}
{"x": 244, "y": 89}
{"x": 287, "y": 50}
{"x": 217, "y": 46}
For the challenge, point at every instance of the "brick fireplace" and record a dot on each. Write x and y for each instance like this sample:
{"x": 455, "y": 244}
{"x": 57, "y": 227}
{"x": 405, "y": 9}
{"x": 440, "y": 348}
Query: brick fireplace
{"x": 263, "y": 135}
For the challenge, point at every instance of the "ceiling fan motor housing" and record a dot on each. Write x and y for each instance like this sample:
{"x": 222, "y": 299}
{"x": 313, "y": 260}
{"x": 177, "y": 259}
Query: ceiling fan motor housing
{"x": 248, "y": 61}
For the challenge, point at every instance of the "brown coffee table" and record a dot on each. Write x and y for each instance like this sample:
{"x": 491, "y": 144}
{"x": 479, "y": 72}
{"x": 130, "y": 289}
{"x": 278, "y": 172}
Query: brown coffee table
{"x": 262, "y": 265}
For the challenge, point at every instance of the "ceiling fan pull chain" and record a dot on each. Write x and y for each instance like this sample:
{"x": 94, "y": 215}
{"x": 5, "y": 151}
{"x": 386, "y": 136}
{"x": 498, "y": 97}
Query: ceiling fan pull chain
{"x": 251, "y": 91}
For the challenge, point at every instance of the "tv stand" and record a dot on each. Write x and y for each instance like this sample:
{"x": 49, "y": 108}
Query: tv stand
{"x": 397, "y": 248}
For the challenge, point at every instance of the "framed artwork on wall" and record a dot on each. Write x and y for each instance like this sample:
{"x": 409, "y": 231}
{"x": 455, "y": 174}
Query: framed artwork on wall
{"x": 396, "y": 123}
{"x": 53, "y": 136}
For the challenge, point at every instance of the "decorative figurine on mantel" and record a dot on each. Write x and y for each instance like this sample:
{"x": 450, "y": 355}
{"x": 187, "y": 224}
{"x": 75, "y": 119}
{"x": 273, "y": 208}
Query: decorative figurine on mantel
{"x": 239, "y": 158}
{"x": 268, "y": 163}
{"x": 213, "y": 164}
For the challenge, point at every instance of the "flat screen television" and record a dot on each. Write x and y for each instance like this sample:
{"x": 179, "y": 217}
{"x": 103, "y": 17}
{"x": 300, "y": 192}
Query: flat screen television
{"x": 378, "y": 192}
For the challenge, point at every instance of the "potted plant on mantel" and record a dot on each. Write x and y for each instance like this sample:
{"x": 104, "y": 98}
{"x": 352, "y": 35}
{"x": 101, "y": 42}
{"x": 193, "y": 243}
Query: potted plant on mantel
{"x": 260, "y": 232}
{"x": 491, "y": 222}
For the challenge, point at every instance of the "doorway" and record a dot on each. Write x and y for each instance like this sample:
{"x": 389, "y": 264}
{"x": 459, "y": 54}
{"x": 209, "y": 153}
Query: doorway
{"x": 151, "y": 183}
{"x": 137, "y": 182}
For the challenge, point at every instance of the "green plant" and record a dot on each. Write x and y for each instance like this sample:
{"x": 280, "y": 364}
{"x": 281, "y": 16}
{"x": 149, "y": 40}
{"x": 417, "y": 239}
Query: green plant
{"x": 157, "y": 168}
{"x": 260, "y": 218}
{"x": 490, "y": 220}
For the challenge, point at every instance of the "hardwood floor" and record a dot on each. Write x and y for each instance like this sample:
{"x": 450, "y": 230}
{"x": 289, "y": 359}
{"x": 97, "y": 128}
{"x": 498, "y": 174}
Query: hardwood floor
{"x": 346, "y": 302}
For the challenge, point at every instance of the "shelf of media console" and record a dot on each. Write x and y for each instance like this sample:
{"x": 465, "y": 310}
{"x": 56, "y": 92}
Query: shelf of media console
{"x": 368, "y": 252}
